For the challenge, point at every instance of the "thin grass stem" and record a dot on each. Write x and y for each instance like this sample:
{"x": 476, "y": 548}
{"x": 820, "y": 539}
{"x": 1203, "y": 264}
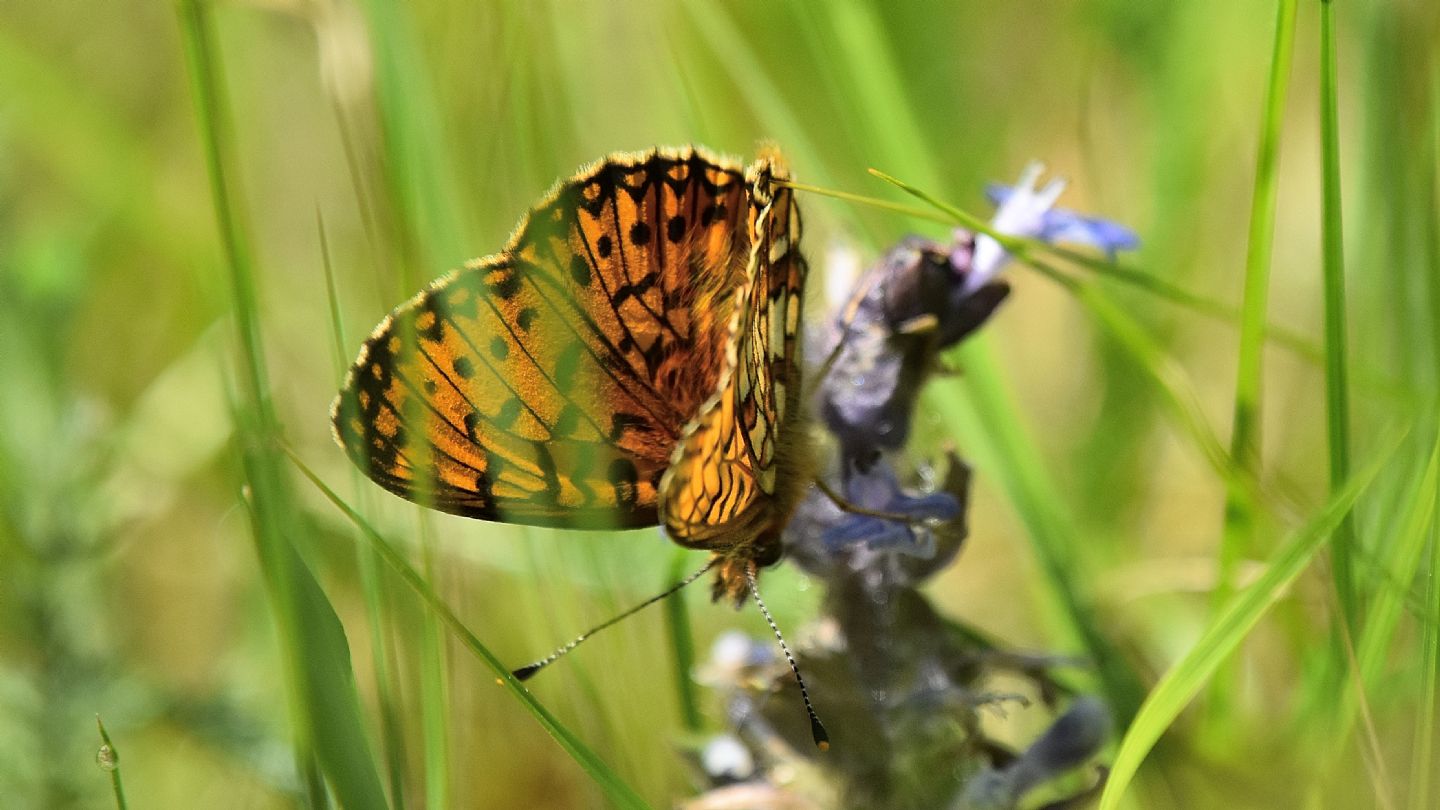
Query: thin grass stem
{"x": 682, "y": 647}
{"x": 1337, "y": 389}
{"x": 371, "y": 585}
{"x": 109, "y": 758}
{"x": 1245, "y": 448}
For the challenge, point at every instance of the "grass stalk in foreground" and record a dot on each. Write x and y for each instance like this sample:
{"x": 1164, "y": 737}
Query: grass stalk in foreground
{"x": 615, "y": 789}
{"x": 1422, "y": 771}
{"x": 371, "y": 587}
{"x": 1245, "y": 449}
{"x": 324, "y": 702}
{"x": 422, "y": 199}
{"x": 1230, "y": 628}
{"x": 434, "y": 695}
{"x": 1337, "y": 392}
{"x": 682, "y": 645}
{"x": 109, "y": 759}
{"x": 1401, "y": 561}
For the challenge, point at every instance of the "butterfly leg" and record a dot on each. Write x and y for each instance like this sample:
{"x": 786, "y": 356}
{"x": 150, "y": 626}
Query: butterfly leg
{"x": 853, "y": 508}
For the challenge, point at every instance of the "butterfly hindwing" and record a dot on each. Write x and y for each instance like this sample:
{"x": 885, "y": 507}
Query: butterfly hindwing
{"x": 548, "y": 384}
{"x": 725, "y": 483}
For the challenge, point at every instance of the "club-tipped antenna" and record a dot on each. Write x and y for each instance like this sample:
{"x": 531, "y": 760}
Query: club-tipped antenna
{"x": 525, "y": 672}
{"x": 817, "y": 729}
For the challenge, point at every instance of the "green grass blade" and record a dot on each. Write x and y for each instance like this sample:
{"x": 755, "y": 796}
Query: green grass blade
{"x": 616, "y": 790}
{"x": 371, "y": 586}
{"x": 109, "y": 759}
{"x": 682, "y": 646}
{"x": 324, "y": 700}
{"x": 993, "y": 436}
{"x": 434, "y": 708}
{"x": 1404, "y": 556}
{"x": 721, "y": 33}
{"x": 1337, "y": 391}
{"x": 424, "y": 204}
{"x": 1230, "y": 628}
{"x": 1422, "y": 770}
{"x": 422, "y": 194}
{"x": 1428, "y": 169}
{"x": 1245, "y": 430}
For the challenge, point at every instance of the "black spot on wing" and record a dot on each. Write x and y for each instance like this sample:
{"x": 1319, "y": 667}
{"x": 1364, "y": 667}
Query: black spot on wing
{"x": 621, "y": 422}
{"x": 525, "y": 318}
{"x": 640, "y": 234}
{"x": 625, "y": 480}
{"x": 580, "y": 269}
{"x": 502, "y": 281}
{"x": 566, "y": 366}
{"x": 508, "y": 413}
{"x": 567, "y": 421}
{"x": 549, "y": 472}
{"x": 473, "y": 421}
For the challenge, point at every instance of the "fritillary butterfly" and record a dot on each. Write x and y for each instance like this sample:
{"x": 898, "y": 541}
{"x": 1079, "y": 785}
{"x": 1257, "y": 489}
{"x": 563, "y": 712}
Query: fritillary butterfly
{"x": 630, "y": 358}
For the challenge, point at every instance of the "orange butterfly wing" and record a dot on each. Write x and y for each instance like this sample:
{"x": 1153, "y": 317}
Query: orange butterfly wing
{"x": 739, "y": 469}
{"x": 549, "y": 383}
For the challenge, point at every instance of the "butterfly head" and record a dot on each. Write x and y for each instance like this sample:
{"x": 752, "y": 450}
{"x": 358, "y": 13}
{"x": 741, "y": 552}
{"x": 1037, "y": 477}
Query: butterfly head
{"x": 735, "y": 567}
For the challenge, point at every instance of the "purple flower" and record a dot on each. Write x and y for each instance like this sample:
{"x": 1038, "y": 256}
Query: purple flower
{"x": 1028, "y": 211}
{"x": 884, "y": 553}
{"x": 919, "y": 299}
{"x": 905, "y": 310}
{"x": 1071, "y": 741}
{"x": 878, "y": 490}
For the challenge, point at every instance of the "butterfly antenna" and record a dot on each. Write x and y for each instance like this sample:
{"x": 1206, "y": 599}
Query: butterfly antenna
{"x": 525, "y": 672}
{"x": 817, "y": 729}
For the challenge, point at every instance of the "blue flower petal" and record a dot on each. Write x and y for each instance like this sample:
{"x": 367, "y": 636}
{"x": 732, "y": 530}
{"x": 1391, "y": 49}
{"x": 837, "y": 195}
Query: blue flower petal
{"x": 880, "y": 491}
{"x": 1064, "y": 225}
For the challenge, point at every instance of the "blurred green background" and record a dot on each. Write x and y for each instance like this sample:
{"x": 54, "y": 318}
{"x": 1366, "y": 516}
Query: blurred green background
{"x": 413, "y": 135}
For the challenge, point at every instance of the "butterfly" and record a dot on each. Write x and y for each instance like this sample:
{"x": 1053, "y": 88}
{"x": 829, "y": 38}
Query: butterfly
{"x": 630, "y": 358}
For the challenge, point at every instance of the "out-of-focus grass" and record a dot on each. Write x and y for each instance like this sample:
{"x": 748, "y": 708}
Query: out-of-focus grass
{"x": 616, "y": 791}
{"x": 420, "y": 132}
{"x": 330, "y": 744}
{"x": 1235, "y": 623}
{"x": 1240, "y": 519}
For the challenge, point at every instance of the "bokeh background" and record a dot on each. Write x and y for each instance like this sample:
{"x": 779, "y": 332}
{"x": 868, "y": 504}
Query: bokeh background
{"x": 396, "y": 140}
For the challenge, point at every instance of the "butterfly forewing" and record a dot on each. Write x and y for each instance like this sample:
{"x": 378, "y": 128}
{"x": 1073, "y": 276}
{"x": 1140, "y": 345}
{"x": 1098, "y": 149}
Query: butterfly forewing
{"x": 549, "y": 383}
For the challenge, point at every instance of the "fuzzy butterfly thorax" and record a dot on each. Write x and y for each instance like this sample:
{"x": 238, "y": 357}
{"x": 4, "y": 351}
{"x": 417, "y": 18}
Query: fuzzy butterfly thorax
{"x": 630, "y": 358}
